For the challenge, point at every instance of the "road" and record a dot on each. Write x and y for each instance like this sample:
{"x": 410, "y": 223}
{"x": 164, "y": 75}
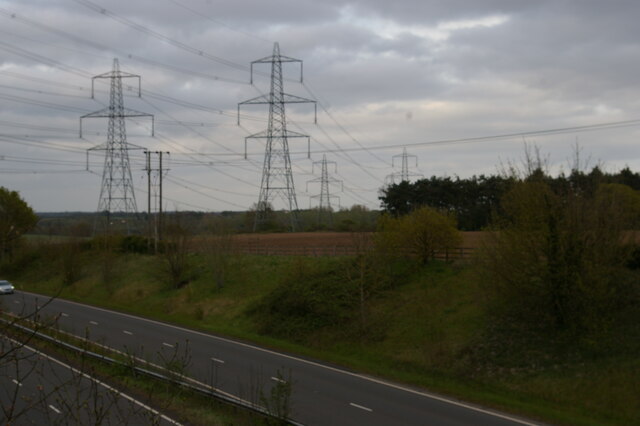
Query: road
{"x": 321, "y": 394}
{"x": 40, "y": 390}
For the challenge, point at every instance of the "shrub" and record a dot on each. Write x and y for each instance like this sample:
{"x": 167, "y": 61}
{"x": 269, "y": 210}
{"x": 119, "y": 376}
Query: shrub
{"x": 557, "y": 261}
{"x": 420, "y": 234}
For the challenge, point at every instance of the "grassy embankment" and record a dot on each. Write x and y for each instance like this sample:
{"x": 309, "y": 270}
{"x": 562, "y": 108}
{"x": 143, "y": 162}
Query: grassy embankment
{"x": 428, "y": 326}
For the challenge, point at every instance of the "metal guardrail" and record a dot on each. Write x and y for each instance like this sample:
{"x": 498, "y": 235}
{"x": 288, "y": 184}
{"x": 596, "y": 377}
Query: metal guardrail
{"x": 210, "y": 391}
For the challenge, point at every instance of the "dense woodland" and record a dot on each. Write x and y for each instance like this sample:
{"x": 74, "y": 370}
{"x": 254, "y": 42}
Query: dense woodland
{"x": 476, "y": 200}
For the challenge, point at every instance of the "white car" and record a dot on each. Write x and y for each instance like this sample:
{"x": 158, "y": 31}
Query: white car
{"x": 6, "y": 287}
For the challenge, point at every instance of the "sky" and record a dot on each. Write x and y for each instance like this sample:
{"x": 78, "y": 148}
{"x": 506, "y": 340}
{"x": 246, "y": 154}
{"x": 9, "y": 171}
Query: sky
{"x": 465, "y": 86}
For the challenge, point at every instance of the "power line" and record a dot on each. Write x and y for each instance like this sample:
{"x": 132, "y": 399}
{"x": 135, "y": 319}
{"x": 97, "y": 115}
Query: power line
{"x": 188, "y": 182}
{"x": 152, "y": 33}
{"x": 82, "y": 40}
{"x": 202, "y": 15}
{"x": 43, "y": 104}
{"x": 25, "y": 140}
{"x": 585, "y": 128}
{"x": 204, "y": 194}
{"x": 341, "y": 127}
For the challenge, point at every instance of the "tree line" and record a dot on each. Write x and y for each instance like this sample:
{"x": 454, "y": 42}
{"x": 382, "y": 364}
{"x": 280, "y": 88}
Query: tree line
{"x": 475, "y": 200}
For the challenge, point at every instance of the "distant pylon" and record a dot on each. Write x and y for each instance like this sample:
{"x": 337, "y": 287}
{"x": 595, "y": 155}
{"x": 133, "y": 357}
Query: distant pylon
{"x": 277, "y": 178}
{"x": 325, "y": 208}
{"x": 404, "y": 174}
{"x": 116, "y": 193}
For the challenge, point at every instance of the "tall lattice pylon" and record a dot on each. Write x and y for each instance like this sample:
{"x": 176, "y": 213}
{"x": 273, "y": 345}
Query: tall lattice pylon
{"x": 277, "y": 177}
{"x": 404, "y": 174}
{"x": 117, "y": 196}
{"x": 325, "y": 208}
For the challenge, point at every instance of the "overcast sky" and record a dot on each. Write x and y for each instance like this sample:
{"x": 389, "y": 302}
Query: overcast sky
{"x": 386, "y": 75}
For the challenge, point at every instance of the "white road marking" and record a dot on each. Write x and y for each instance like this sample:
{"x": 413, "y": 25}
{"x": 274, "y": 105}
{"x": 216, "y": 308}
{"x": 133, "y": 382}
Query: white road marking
{"x": 360, "y": 407}
{"x": 17, "y": 302}
{"x": 63, "y": 314}
{"x": 304, "y": 361}
{"x": 93, "y": 323}
{"x": 16, "y": 382}
{"x": 278, "y": 380}
{"x": 114, "y": 390}
{"x": 167, "y": 344}
{"x": 219, "y": 361}
{"x": 159, "y": 367}
{"x": 127, "y": 332}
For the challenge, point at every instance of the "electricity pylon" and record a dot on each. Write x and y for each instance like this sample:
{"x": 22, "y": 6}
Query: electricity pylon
{"x": 116, "y": 193}
{"x": 404, "y": 174}
{"x": 324, "y": 198}
{"x": 277, "y": 178}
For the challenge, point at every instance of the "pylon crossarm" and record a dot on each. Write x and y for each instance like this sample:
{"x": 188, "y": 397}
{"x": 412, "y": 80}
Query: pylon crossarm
{"x": 106, "y": 112}
{"x": 271, "y": 58}
{"x": 293, "y": 99}
{"x": 113, "y": 74}
{"x": 258, "y": 100}
{"x": 100, "y": 147}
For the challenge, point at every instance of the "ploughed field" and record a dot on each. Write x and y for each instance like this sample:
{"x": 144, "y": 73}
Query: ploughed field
{"x": 328, "y": 243}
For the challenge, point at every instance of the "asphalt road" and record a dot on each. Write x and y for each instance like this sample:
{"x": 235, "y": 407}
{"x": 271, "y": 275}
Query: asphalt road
{"x": 321, "y": 394}
{"x": 40, "y": 390}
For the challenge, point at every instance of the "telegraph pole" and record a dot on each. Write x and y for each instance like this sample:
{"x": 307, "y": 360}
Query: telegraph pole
{"x": 155, "y": 228}
{"x": 277, "y": 177}
{"x": 116, "y": 192}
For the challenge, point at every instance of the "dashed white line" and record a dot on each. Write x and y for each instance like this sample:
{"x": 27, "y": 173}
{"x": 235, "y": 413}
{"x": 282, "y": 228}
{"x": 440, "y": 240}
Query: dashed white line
{"x": 63, "y": 314}
{"x": 167, "y": 344}
{"x": 93, "y": 323}
{"x": 219, "y": 361}
{"x": 360, "y": 407}
{"x": 127, "y": 332}
{"x": 276, "y": 379}
{"x": 17, "y": 383}
{"x": 17, "y": 302}
{"x": 55, "y": 409}
{"x": 348, "y": 373}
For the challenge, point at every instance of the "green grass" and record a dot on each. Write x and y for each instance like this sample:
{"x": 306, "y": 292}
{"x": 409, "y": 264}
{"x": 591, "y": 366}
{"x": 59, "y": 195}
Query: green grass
{"x": 424, "y": 326}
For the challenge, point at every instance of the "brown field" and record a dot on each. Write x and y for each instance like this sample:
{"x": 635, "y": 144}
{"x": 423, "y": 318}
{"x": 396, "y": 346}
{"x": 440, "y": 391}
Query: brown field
{"x": 326, "y": 239}
{"x": 327, "y": 243}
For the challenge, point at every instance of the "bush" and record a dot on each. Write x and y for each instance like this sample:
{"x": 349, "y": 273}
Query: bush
{"x": 420, "y": 234}
{"x": 306, "y": 301}
{"x": 134, "y": 244}
{"x": 557, "y": 261}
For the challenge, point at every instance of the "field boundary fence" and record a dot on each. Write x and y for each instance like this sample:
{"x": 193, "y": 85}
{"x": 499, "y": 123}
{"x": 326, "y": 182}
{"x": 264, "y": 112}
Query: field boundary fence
{"x": 456, "y": 253}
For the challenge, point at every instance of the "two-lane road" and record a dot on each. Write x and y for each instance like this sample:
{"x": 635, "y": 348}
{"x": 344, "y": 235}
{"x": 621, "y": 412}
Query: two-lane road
{"x": 322, "y": 394}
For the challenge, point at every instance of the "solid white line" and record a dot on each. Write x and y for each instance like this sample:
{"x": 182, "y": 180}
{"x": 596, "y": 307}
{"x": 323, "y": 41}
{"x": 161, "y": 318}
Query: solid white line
{"x": 278, "y": 380}
{"x": 167, "y": 344}
{"x": 127, "y": 332}
{"x": 219, "y": 361}
{"x": 337, "y": 370}
{"x": 93, "y": 323}
{"x": 360, "y": 407}
{"x": 159, "y": 367}
{"x": 112, "y": 389}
